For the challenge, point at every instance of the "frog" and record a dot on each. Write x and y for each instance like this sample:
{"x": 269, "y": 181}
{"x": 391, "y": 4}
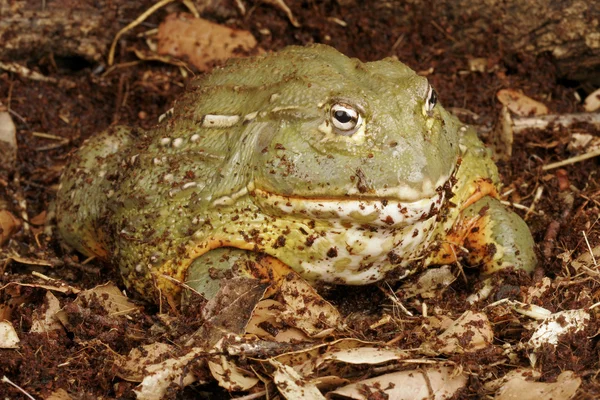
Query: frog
{"x": 347, "y": 172}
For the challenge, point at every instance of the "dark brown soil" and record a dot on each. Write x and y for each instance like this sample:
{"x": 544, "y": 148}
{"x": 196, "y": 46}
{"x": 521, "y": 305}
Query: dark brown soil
{"x": 81, "y": 360}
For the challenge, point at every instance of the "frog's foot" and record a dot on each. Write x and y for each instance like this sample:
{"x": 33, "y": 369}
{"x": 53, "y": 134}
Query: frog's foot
{"x": 206, "y": 272}
{"x": 490, "y": 235}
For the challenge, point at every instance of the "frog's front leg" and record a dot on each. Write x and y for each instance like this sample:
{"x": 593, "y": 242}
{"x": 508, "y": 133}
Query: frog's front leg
{"x": 489, "y": 235}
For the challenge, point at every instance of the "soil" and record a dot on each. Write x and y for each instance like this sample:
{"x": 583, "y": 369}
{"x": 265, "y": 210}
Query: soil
{"x": 564, "y": 221}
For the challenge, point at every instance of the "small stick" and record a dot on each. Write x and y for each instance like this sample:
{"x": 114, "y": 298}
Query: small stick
{"x": 6, "y": 380}
{"x": 572, "y": 160}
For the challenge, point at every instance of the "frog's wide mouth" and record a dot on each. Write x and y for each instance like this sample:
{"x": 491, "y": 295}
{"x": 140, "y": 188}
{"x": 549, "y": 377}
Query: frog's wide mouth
{"x": 381, "y": 212}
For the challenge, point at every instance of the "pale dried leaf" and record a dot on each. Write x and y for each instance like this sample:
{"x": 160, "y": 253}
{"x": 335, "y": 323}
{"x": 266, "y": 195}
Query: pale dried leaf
{"x": 520, "y": 104}
{"x": 231, "y": 308}
{"x": 59, "y": 394}
{"x": 133, "y": 367}
{"x": 502, "y": 136}
{"x": 478, "y": 64}
{"x": 60, "y": 287}
{"x": 470, "y": 332}
{"x": 292, "y": 385}
{"x": 47, "y": 322}
{"x": 269, "y": 313}
{"x": 306, "y": 309}
{"x": 564, "y": 388}
{"x": 8, "y": 141}
{"x": 231, "y": 377}
{"x": 161, "y": 375}
{"x": 304, "y": 357}
{"x": 430, "y": 283}
{"x": 407, "y": 385}
{"x": 110, "y": 298}
{"x": 521, "y": 373}
{"x": 556, "y": 326}
{"x": 8, "y": 336}
{"x": 538, "y": 290}
{"x": 592, "y": 102}
{"x": 200, "y": 41}
{"x": 9, "y": 224}
{"x": 586, "y": 259}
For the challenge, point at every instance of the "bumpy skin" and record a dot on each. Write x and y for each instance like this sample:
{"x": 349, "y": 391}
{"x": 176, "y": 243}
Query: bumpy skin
{"x": 251, "y": 159}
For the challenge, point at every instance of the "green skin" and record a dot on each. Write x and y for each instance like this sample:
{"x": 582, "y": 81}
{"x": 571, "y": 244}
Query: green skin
{"x": 252, "y": 159}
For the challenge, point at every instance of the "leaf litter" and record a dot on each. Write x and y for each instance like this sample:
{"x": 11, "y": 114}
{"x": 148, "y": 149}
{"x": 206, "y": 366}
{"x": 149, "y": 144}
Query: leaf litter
{"x": 281, "y": 336}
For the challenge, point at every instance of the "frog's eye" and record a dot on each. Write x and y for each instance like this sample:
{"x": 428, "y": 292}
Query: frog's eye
{"x": 430, "y": 101}
{"x": 345, "y": 119}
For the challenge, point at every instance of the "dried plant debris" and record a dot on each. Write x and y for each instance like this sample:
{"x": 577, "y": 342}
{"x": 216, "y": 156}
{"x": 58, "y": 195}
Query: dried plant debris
{"x": 8, "y": 336}
{"x": 201, "y": 42}
{"x": 66, "y": 334}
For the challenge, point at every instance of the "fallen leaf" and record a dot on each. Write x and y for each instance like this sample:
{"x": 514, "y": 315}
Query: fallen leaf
{"x": 266, "y": 323}
{"x": 428, "y": 383}
{"x": 430, "y": 283}
{"x": 520, "y": 104}
{"x": 554, "y": 327}
{"x": 202, "y": 42}
{"x": 47, "y": 322}
{"x": 162, "y": 375}
{"x": 8, "y": 336}
{"x": 470, "y": 332}
{"x": 292, "y": 385}
{"x": 110, "y": 298}
{"x": 8, "y": 140}
{"x": 59, "y": 394}
{"x": 592, "y": 101}
{"x": 564, "y": 388}
{"x": 132, "y": 368}
{"x": 231, "y": 377}
{"x": 9, "y": 224}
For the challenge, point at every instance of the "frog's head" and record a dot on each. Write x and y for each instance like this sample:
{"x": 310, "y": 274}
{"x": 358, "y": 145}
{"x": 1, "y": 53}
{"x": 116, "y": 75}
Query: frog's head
{"x": 328, "y": 135}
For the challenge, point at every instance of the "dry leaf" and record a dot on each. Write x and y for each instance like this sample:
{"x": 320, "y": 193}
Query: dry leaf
{"x": 266, "y": 323}
{"x": 202, "y": 42}
{"x": 8, "y": 140}
{"x": 231, "y": 377}
{"x": 133, "y": 367}
{"x": 592, "y": 102}
{"x": 520, "y": 104}
{"x": 59, "y": 394}
{"x": 430, "y": 283}
{"x": 553, "y": 328}
{"x": 564, "y": 388}
{"x": 162, "y": 375}
{"x": 8, "y": 336}
{"x": 9, "y": 224}
{"x": 407, "y": 385}
{"x": 502, "y": 136}
{"x": 110, "y": 298}
{"x": 48, "y": 322}
{"x": 470, "y": 332}
{"x": 292, "y": 385}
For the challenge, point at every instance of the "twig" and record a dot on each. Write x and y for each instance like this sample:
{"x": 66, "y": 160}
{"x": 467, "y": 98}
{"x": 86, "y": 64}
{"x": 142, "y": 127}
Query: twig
{"x": 133, "y": 24}
{"x": 252, "y": 396}
{"x": 6, "y": 380}
{"x": 564, "y": 120}
{"x": 33, "y": 75}
{"x": 590, "y": 249}
{"x": 572, "y": 160}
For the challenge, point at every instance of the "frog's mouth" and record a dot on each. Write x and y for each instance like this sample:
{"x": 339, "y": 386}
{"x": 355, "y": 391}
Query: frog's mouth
{"x": 377, "y": 212}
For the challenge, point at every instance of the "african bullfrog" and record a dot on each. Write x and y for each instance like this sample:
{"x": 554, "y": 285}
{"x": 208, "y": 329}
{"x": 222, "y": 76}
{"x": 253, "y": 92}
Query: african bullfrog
{"x": 348, "y": 172}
